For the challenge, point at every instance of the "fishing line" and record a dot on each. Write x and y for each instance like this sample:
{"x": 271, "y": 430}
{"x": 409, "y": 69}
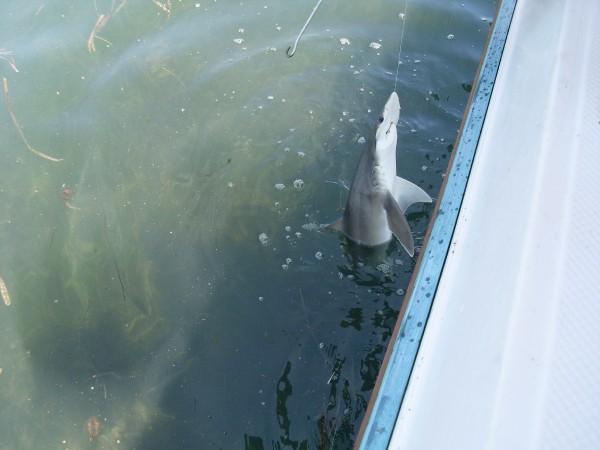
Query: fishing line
{"x": 292, "y": 49}
{"x": 403, "y": 16}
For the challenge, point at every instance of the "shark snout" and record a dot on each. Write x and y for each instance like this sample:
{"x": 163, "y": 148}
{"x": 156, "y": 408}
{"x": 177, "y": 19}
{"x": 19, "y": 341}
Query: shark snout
{"x": 388, "y": 121}
{"x": 391, "y": 110}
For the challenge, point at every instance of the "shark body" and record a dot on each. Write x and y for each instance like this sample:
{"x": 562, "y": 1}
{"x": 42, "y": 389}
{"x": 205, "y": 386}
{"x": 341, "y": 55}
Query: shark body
{"x": 378, "y": 198}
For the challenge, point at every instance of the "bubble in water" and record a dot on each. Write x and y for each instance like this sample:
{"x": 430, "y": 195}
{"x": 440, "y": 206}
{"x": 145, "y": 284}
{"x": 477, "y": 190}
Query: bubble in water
{"x": 280, "y": 186}
{"x": 288, "y": 260}
{"x": 285, "y": 266}
{"x": 450, "y": 37}
{"x": 263, "y": 238}
{"x": 311, "y": 226}
{"x": 344, "y": 41}
{"x": 238, "y": 41}
{"x": 384, "y": 268}
{"x": 298, "y": 184}
{"x": 319, "y": 255}
{"x": 361, "y": 140}
{"x": 260, "y": 299}
{"x": 321, "y": 345}
{"x": 375, "y": 45}
{"x": 400, "y": 291}
{"x": 288, "y": 228}
{"x": 301, "y": 154}
{"x": 298, "y": 234}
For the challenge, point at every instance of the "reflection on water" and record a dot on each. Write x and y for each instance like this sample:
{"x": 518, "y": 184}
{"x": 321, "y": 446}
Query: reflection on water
{"x": 170, "y": 285}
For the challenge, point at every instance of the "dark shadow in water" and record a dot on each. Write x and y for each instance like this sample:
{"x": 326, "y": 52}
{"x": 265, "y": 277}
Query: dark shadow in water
{"x": 294, "y": 416}
{"x": 303, "y": 410}
{"x": 284, "y": 391}
{"x": 360, "y": 255}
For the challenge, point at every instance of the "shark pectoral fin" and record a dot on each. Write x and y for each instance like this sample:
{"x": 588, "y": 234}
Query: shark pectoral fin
{"x": 337, "y": 225}
{"x": 398, "y": 224}
{"x": 407, "y": 193}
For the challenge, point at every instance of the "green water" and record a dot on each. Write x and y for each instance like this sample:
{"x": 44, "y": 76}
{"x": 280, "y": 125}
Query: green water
{"x": 145, "y": 297}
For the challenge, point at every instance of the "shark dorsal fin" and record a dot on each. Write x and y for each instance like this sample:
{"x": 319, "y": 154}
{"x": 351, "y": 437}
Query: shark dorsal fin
{"x": 407, "y": 193}
{"x": 398, "y": 223}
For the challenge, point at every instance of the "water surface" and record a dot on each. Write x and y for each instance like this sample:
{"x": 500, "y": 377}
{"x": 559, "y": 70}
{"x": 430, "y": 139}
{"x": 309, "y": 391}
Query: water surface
{"x": 168, "y": 277}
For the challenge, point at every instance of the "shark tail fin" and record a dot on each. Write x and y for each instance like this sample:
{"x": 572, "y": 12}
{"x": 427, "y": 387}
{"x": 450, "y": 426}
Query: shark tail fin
{"x": 398, "y": 223}
{"x": 337, "y": 225}
{"x": 407, "y": 193}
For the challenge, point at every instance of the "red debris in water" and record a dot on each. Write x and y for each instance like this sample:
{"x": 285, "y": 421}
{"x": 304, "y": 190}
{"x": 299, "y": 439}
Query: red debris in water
{"x": 93, "y": 427}
{"x": 67, "y": 193}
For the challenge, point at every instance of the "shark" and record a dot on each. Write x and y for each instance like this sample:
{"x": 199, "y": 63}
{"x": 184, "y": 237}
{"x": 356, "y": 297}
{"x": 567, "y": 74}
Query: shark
{"x": 378, "y": 197}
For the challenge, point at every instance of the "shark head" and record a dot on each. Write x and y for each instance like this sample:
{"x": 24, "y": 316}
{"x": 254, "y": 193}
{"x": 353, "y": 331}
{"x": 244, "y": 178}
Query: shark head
{"x": 378, "y": 197}
{"x": 386, "y": 135}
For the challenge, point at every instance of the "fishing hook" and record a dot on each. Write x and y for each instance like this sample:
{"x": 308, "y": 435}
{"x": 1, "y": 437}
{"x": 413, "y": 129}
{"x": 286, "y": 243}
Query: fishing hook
{"x": 292, "y": 49}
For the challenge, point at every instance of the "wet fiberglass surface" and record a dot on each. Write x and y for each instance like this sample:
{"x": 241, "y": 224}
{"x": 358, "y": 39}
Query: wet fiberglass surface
{"x": 170, "y": 285}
